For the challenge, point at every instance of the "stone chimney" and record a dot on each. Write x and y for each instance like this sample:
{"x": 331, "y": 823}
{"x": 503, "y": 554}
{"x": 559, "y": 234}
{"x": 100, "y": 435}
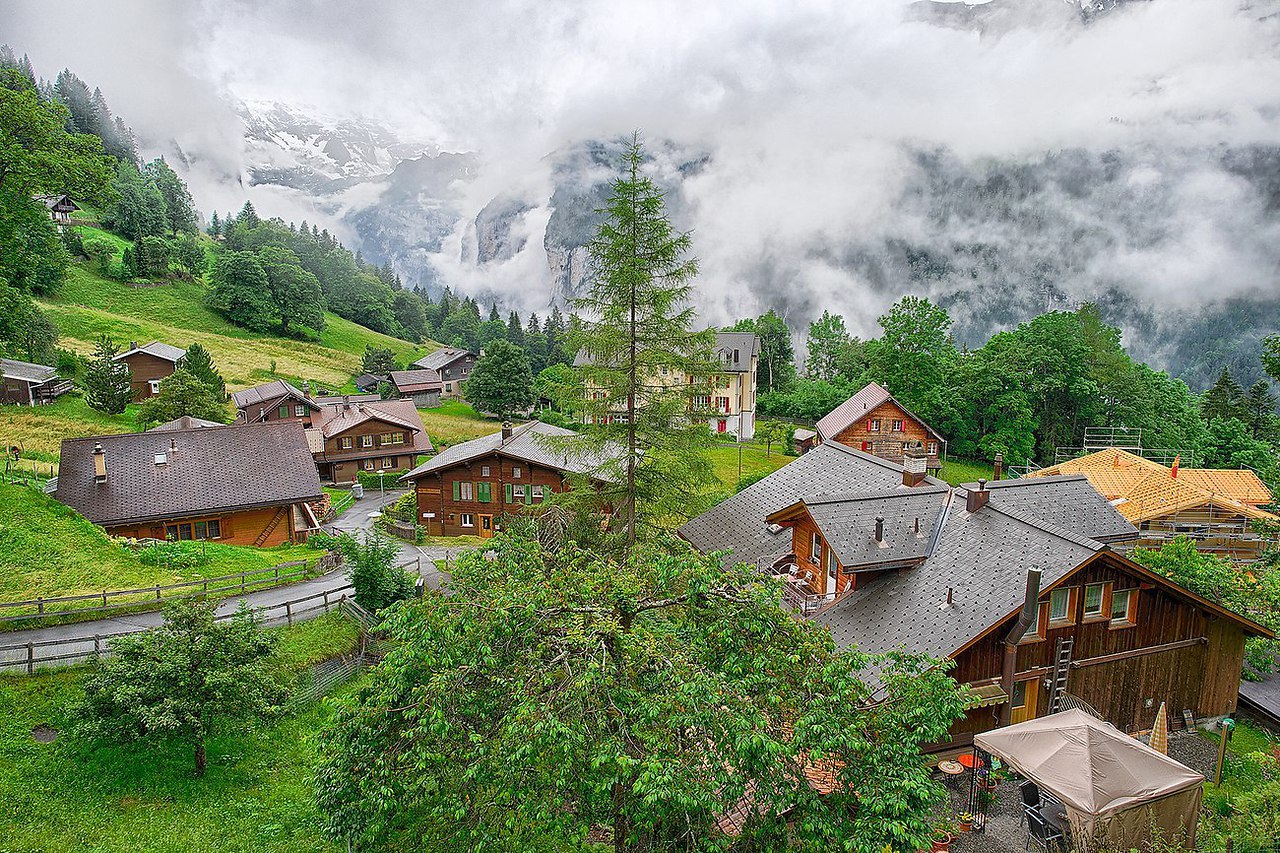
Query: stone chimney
{"x": 99, "y": 463}
{"x": 978, "y": 497}
{"x": 507, "y": 430}
{"x": 915, "y": 464}
{"x": 346, "y": 402}
{"x": 306, "y": 387}
{"x": 999, "y": 473}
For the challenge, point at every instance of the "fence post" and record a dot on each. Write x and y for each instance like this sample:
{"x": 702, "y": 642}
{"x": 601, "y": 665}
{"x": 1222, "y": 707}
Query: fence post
{"x": 40, "y": 605}
{"x": 1230, "y": 845}
{"x": 242, "y": 581}
{"x": 277, "y": 573}
{"x": 104, "y": 599}
{"x": 31, "y": 658}
{"x": 157, "y": 592}
{"x": 288, "y": 613}
{"x": 326, "y": 600}
{"x": 206, "y": 586}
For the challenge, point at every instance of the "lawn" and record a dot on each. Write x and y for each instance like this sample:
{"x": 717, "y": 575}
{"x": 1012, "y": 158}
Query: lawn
{"x": 453, "y": 421}
{"x": 48, "y": 549}
{"x": 39, "y": 430}
{"x": 724, "y": 460}
{"x": 956, "y": 471}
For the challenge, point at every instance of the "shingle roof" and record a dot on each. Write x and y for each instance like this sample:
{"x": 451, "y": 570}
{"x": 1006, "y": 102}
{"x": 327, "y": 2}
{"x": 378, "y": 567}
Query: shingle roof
{"x": 267, "y": 392}
{"x": 441, "y": 358}
{"x": 738, "y": 525}
{"x": 848, "y": 523}
{"x": 184, "y": 422}
{"x": 204, "y": 470}
{"x": 368, "y": 381}
{"x": 158, "y": 349}
{"x": 26, "y": 371}
{"x": 335, "y": 420}
{"x": 1067, "y": 501}
{"x": 746, "y": 343}
{"x": 850, "y": 410}
{"x": 338, "y": 400}
{"x": 412, "y": 381}
{"x": 528, "y": 442}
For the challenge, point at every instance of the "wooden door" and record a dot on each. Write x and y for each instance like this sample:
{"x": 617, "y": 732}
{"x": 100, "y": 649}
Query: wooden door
{"x": 486, "y": 526}
{"x": 1026, "y": 700}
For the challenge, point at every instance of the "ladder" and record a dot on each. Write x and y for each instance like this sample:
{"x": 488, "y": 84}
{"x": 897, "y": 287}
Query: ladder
{"x": 1061, "y": 670}
{"x": 270, "y": 528}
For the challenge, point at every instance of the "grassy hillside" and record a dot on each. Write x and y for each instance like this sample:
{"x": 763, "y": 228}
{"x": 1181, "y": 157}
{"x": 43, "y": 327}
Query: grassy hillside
{"x": 89, "y": 305}
{"x": 39, "y": 431}
{"x": 49, "y": 549}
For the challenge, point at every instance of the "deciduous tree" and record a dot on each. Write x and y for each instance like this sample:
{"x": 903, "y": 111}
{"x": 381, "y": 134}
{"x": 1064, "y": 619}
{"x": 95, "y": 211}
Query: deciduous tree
{"x": 241, "y": 291}
{"x": 378, "y": 361}
{"x": 182, "y": 393}
{"x": 295, "y": 292}
{"x": 501, "y": 381}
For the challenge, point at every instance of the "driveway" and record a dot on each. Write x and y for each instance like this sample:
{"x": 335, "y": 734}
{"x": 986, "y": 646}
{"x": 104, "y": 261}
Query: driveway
{"x": 419, "y": 559}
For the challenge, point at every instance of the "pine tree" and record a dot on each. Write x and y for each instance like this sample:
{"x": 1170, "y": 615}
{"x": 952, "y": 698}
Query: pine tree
{"x": 107, "y": 382}
{"x": 1224, "y": 400}
{"x": 638, "y": 322}
{"x": 494, "y": 316}
{"x": 515, "y": 333}
{"x": 199, "y": 363}
{"x": 249, "y": 216}
{"x": 215, "y": 227}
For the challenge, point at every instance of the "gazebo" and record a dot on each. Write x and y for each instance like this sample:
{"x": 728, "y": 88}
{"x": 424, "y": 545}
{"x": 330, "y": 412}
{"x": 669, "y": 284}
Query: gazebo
{"x": 1116, "y": 790}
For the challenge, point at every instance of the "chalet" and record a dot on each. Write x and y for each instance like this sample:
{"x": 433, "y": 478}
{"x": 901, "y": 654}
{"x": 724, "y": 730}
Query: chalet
{"x": 60, "y": 208}
{"x": 385, "y": 436}
{"x": 277, "y": 400}
{"x": 730, "y": 395}
{"x": 423, "y": 386}
{"x": 1017, "y": 582}
{"x": 874, "y": 422}
{"x": 454, "y": 366}
{"x": 27, "y": 384}
{"x": 148, "y": 364}
{"x": 368, "y": 382}
{"x": 1219, "y": 510}
{"x": 466, "y": 488}
{"x": 242, "y": 485}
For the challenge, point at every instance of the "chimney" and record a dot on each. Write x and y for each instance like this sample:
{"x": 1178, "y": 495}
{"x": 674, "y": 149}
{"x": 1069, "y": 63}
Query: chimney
{"x": 346, "y": 402}
{"x": 507, "y": 429}
{"x": 880, "y": 529}
{"x": 999, "y": 474}
{"x": 99, "y": 463}
{"x": 977, "y": 498}
{"x": 306, "y": 387}
{"x": 133, "y": 344}
{"x": 1027, "y": 616}
{"x": 915, "y": 464}
{"x": 173, "y": 445}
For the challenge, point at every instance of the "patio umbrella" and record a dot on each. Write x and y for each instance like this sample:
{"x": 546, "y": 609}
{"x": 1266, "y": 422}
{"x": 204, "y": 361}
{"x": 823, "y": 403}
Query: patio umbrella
{"x": 1160, "y": 731}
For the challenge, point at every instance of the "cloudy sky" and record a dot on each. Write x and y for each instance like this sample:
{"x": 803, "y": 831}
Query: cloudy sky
{"x": 809, "y": 110}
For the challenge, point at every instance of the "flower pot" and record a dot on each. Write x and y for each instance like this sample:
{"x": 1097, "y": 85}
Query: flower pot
{"x": 966, "y": 825}
{"x": 942, "y": 842}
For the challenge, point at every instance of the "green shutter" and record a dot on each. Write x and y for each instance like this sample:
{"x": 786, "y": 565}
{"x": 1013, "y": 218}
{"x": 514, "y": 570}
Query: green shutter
{"x": 507, "y": 493}
{"x": 483, "y": 492}
{"x": 457, "y": 490}
{"x": 528, "y": 494}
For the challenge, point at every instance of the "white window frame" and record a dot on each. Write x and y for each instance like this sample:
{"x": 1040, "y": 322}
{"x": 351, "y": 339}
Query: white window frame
{"x": 468, "y": 520}
{"x": 388, "y": 462}
{"x": 466, "y": 491}
{"x": 366, "y": 441}
{"x": 299, "y": 410}
{"x": 1129, "y": 596}
{"x": 515, "y": 472}
{"x": 484, "y": 470}
{"x": 154, "y": 385}
{"x": 517, "y": 492}
{"x": 537, "y": 492}
{"x": 1101, "y": 611}
{"x": 345, "y": 442}
{"x": 368, "y": 464}
{"x": 815, "y": 548}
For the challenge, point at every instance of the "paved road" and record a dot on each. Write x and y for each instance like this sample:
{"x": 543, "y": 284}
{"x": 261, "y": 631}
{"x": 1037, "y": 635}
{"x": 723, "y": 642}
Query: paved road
{"x": 357, "y": 519}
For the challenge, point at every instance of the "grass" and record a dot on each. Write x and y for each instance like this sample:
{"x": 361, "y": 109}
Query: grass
{"x": 957, "y": 471}
{"x": 142, "y": 797}
{"x": 48, "y": 549}
{"x": 39, "y": 430}
{"x": 89, "y": 305}
{"x": 453, "y": 421}
{"x": 724, "y": 460}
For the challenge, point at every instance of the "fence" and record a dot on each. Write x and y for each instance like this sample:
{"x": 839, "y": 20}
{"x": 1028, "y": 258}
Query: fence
{"x": 67, "y": 651}
{"x": 151, "y": 596}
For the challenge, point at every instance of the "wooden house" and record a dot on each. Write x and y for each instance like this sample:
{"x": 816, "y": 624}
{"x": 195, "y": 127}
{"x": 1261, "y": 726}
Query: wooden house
{"x": 908, "y": 562}
{"x": 423, "y": 386}
{"x": 277, "y": 400}
{"x": 874, "y": 422}
{"x": 26, "y": 384}
{"x": 241, "y": 485}
{"x": 454, "y": 366}
{"x": 385, "y": 436}
{"x": 467, "y": 488}
{"x": 148, "y": 364}
{"x": 60, "y": 208}
{"x": 1219, "y": 510}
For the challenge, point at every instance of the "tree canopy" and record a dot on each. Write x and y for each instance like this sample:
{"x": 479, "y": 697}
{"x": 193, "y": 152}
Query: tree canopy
{"x": 501, "y": 381}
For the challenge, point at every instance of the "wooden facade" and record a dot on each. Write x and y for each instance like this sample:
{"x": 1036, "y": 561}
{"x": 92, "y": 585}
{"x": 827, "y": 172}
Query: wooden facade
{"x": 372, "y": 446}
{"x": 145, "y": 372}
{"x": 1213, "y": 528}
{"x": 283, "y": 408}
{"x": 885, "y": 430}
{"x": 263, "y": 527}
{"x": 471, "y": 497}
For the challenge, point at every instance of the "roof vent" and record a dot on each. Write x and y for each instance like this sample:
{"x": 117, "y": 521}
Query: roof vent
{"x": 99, "y": 463}
{"x": 161, "y": 459}
{"x": 775, "y": 529}
{"x": 880, "y": 529}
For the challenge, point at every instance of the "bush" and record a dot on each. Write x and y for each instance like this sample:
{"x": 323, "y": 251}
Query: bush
{"x": 175, "y": 555}
{"x": 70, "y": 365}
{"x": 371, "y": 566}
{"x": 373, "y": 480}
{"x": 73, "y": 242}
{"x": 751, "y": 479}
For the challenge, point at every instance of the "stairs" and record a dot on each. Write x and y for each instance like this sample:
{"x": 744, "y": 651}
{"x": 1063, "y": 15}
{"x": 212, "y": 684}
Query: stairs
{"x": 281, "y": 513}
{"x": 1061, "y": 670}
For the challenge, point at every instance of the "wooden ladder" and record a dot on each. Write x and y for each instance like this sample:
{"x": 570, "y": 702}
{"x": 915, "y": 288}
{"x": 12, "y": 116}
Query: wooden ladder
{"x": 1061, "y": 670}
{"x": 271, "y": 526}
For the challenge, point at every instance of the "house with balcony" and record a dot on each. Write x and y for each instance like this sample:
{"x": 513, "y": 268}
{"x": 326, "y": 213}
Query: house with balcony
{"x": 382, "y": 437}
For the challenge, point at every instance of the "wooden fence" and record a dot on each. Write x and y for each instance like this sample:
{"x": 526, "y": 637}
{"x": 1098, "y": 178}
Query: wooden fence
{"x": 28, "y": 657}
{"x": 108, "y": 601}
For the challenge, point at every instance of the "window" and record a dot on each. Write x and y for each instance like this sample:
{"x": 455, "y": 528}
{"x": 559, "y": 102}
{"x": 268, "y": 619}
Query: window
{"x": 1061, "y": 606}
{"x": 463, "y": 491}
{"x": 468, "y": 520}
{"x": 515, "y": 472}
{"x": 300, "y": 410}
{"x": 366, "y": 441}
{"x": 722, "y": 404}
{"x": 664, "y": 370}
{"x": 1019, "y": 695}
{"x": 484, "y": 492}
{"x": 1124, "y": 610}
{"x": 873, "y": 425}
{"x": 385, "y": 438}
{"x": 933, "y": 448}
{"x": 484, "y": 470}
{"x": 284, "y": 411}
{"x": 186, "y": 531}
{"x": 897, "y": 425}
{"x": 368, "y": 464}
{"x": 388, "y": 462}
{"x": 154, "y": 384}
{"x": 537, "y": 493}
{"x": 1095, "y": 601}
{"x": 517, "y": 493}
{"x": 815, "y": 549}
{"x": 397, "y": 438}
{"x": 701, "y": 402}
{"x": 345, "y": 442}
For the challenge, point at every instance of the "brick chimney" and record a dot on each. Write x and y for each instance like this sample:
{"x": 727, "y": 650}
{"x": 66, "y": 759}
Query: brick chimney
{"x": 977, "y": 498}
{"x": 507, "y": 429}
{"x": 915, "y": 464}
{"x": 99, "y": 463}
{"x": 999, "y": 474}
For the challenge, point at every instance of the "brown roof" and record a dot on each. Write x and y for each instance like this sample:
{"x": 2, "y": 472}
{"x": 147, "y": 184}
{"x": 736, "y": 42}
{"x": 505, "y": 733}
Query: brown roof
{"x": 159, "y": 475}
{"x": 859, "y": 405}
{"x": 268, "y": 393}
{"x": 414, "y": 381}
{"x": 332, "y": 421}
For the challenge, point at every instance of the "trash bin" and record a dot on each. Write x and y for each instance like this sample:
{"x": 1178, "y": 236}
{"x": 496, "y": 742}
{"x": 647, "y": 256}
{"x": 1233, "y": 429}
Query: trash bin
{"x": 358, "y": 491}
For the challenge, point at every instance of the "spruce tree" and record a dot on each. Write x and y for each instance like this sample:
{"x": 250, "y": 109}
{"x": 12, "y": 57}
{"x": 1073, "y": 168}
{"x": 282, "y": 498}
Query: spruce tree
{"x": 215, "y": 226}
{"x": 638, "y": 327}
{"x": 515, "y": 332}
{"x": 200, "y": 364}
{"x": 1224, "y": 400}
{"x": 107, "y": 385}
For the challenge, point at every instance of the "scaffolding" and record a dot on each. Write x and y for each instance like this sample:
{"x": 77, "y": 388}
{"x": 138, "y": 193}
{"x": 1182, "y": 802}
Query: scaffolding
{"x": 1128, "y": 439}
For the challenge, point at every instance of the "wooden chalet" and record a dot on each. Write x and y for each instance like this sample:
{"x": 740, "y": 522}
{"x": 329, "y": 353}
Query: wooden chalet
{"x": 889, "y": 558}
{"x": 277, "y": 400}
{"x": 242, "y": 485}
{"x": 148, "y": 364}
{"x": 423, "y": 386}
{"x": 1219, "y": 510}
{"x": 26, "y": 384}
{"x": 467, "y": 488}
{"x": 383, "y": 436}
{"x": 874, "y": 422}
{"x": 454, "y": 366}
{"x": 60, "y": 208}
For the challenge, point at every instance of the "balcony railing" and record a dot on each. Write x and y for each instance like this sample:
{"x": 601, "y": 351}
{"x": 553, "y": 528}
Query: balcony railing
{"x": 795, "y": 588}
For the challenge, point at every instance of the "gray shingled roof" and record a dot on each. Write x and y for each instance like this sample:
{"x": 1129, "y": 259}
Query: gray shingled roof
{"x": 441, "y": 358}
{"x": 1066, "y": 501}
{"x": 158, "y": 349}
{"x": 746, "y": 343}
{"x": 26, "y": 371}
{"x": 267, "y": 392}
{"x": 528, "y": 442}
{"x": 204, "y": 471}
{"x": 737, "y": 524}
{"x": 848, "y": 523}
{"x": 409, "y": 381}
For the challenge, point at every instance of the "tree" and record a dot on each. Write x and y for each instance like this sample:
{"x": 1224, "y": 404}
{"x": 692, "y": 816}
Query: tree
{"x": 501, "y": 381}
{"x": 1224, "y": 399}
{"x": 410, "y": 314}
{"x": 914, "y": 355}
{"x": 378, "y": 361}
{"x": 294, "y": 292}
{"x": 637, "y": 323}
{"x": 561, "y": 385}
{"x": 199, "y": 363}
{"x": 241, "y": 291}
{"x": 515, "y": 331}
{"x": 102, "y": 249}
{"x": 248, "y": 216}
{"x": 139, "y": 210}
{"x": 179, "y": 207}
{"x": 184, "y": 679}
{"x": 828, "y": 340}
{"x": 215, "y": 225}
{"x": 153, "y": 256}
{"x": 188, "y": 253}
{"x": 1271, "y": 356}
{"x": 182, "y": 393}
{"x": 25, "y": 330}
{"x": 777, "y": 356}
{"x": 774, "y": 432}
{"x": 378, "y": 582}
{"x": 1259, "y": 406}
{"x": 554, "y": 689}
{"x": 32, "y": 257}
{"x": 107, "y": 383}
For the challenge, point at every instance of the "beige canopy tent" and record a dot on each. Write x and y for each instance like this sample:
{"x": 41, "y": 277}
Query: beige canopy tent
{"x": 1116, "y": 789}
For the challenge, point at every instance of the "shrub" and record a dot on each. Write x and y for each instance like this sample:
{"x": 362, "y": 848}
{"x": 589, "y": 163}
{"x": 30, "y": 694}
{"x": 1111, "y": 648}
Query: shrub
{"x": 175, "y": 555}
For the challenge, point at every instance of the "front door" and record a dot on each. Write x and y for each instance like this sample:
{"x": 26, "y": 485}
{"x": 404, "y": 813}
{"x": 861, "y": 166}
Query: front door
{"x": 486, "y": 526}
{"x": 1026, "y": 699}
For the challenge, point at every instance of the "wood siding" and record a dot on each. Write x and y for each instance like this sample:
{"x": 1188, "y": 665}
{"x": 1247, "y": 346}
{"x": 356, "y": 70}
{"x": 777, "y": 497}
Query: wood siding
{"x": 441, "y": 514}
{"x": 1213, "y": 530}
{"x": 238, "y": 528}
{"x": 887, "y": 442}
{"x": 143, "y": 368}
{"x": 16, "y": 391}
{"x": 269, "y": 412}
